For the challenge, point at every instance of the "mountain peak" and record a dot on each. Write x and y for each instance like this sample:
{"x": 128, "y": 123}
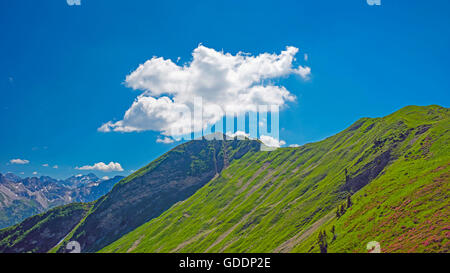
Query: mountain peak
{"x": 415, "y": 114}
{"x": 12, "y": 177}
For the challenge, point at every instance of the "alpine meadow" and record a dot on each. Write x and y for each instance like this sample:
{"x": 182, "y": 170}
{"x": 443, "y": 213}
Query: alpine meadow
{"x": 382, "y": 179}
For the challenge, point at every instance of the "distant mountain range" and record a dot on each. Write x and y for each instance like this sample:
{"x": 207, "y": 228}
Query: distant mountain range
{"x": 382, "y": 181}
{"x": 24, "y": 197}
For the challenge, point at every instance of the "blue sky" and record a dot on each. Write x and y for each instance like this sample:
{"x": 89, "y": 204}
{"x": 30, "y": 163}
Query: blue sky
{"x": 63, "y": 68}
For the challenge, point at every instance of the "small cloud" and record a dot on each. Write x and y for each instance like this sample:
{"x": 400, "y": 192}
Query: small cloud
{"x": 294, "y": 145}
{"x": 106, "y": 127}
{"x": 35, "y": 173}
{"x": 271, "y": 141}
{"x": 55, "y": 167}
{"x": 165, "y": 140}
{"x": 45, "y": 165}
{"x": 100, "y": 166}
{"x": 303, "y": 72}
{"x": 19, "y": 161}
{"x": 306, "y": 57}
{"x": 36, "y": 148}
{"x": 22, "y": 173}
{"x": 239, "y": 135}
{"x": 105, "y": 177}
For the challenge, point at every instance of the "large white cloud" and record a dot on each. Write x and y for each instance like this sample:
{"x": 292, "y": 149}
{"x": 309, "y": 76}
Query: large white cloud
{"x": 235, "y": 83}
{"x": 100, "y": 166}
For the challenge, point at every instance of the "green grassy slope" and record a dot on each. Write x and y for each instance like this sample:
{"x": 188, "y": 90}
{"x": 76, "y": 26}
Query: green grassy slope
{"x": 277, "y": 201}
{"x": 153, "y": 189}
{"x": 40, "y": 232}
{"x": 407, "y": 209}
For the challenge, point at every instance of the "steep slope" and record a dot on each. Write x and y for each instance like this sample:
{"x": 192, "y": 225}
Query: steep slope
{"x": 277, "y": 201}
{"x": 93, "y": 191}
{"x": 153, "y": 189}
{"x": 21, "y": 198}
{"x": 407, "y": 209}
{"x": 40, "y": 232}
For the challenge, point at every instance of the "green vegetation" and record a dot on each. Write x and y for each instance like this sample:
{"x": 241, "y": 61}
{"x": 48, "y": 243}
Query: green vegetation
{"x": 153, "y": 189}
{"x": 382, "y": 179}
{"x": 40, "y": 232}
{"x": 395, "y": 167}
{"x": 407, "y": 208}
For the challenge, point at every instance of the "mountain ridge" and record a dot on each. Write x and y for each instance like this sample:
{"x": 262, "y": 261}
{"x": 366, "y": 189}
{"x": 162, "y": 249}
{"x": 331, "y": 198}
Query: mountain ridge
{"x": 175, "y": 176}
{"x": 274, "y": 208}
{"x": 24, "y": 197}
{"x": 277, "y": 200}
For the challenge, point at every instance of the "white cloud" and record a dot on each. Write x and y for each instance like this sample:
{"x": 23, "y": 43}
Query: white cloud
{"x": 55, "y": 167}
{"x": 294, "y": 145}
{"x": 19, "y": 161}
{"x": 238, "y": 134}
{"x": 45, "y": 165}
{"x": 35, "y": 173}
{"x": 105, "y": 177}
{"x": 304, "y": 72}
{"x": 271, "y": 141}
{"x": 232, "y": 82}
{"x": 165, "y": 140}
{"x": 100, "y": 166}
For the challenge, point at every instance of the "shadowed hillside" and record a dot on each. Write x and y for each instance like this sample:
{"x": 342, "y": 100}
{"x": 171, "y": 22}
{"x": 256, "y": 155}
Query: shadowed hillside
{"x": 40, "y": 232}
{"x": 24, "y": 197}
